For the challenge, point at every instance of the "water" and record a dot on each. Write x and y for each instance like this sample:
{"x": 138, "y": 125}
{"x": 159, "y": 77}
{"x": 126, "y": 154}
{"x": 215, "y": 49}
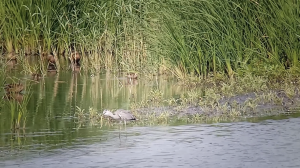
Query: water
{"x": 50, "y": 134}
{"x": 265, "y": 144}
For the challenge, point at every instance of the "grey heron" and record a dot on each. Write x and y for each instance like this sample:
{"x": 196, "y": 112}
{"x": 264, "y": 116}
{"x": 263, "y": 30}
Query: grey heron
{"x": 121, "y": 115}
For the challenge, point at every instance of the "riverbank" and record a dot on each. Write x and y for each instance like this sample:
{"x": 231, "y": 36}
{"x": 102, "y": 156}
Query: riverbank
{"x": 230, "y": 108}
{"x": 216, "y": 100}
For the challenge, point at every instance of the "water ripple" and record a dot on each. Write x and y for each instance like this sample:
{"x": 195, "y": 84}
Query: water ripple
{"x": 268, "y": 144}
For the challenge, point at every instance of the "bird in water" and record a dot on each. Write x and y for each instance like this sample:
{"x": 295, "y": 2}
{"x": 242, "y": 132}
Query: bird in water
{"x": 14, "y": 87}
{"x": 121, "y": 115}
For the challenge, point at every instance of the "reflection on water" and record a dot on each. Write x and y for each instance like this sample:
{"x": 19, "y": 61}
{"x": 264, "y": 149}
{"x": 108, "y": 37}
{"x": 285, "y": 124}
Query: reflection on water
{"x": 42, "y": 116}
{"x": 267, "y": 144}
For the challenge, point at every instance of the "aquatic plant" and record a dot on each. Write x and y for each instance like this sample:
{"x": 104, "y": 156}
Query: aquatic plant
{"x": 17, "y": 103}
{"x": 189, "y": 39}
{"x": 80, "y": 114}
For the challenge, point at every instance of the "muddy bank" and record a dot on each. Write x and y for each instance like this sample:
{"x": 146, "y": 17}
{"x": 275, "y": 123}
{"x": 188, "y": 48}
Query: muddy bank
{"x": 246, "y": 105}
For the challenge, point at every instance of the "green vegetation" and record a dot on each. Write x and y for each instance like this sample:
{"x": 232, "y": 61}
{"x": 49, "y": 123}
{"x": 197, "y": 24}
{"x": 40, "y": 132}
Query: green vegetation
{"x": 211, "y": 101}
{"x": 185, "y": 37}
{"x": 255, "y": 44}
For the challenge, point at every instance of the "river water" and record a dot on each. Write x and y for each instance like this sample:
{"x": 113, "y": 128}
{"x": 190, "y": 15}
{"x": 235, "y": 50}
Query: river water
{"x": 266, "y": 144}
{"x": 50, "y": 134}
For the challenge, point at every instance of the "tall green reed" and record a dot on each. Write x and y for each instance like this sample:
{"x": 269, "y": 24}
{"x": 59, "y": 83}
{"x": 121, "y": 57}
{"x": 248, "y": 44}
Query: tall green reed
{"x": 188, "y": 37}
{"x": 230, "y": 34}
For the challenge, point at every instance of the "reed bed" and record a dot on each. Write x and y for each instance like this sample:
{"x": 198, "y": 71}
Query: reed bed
{"x": 185, "y": 38}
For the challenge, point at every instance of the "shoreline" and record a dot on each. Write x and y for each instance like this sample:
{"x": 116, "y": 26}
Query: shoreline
{"x": 235, "y": 107}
